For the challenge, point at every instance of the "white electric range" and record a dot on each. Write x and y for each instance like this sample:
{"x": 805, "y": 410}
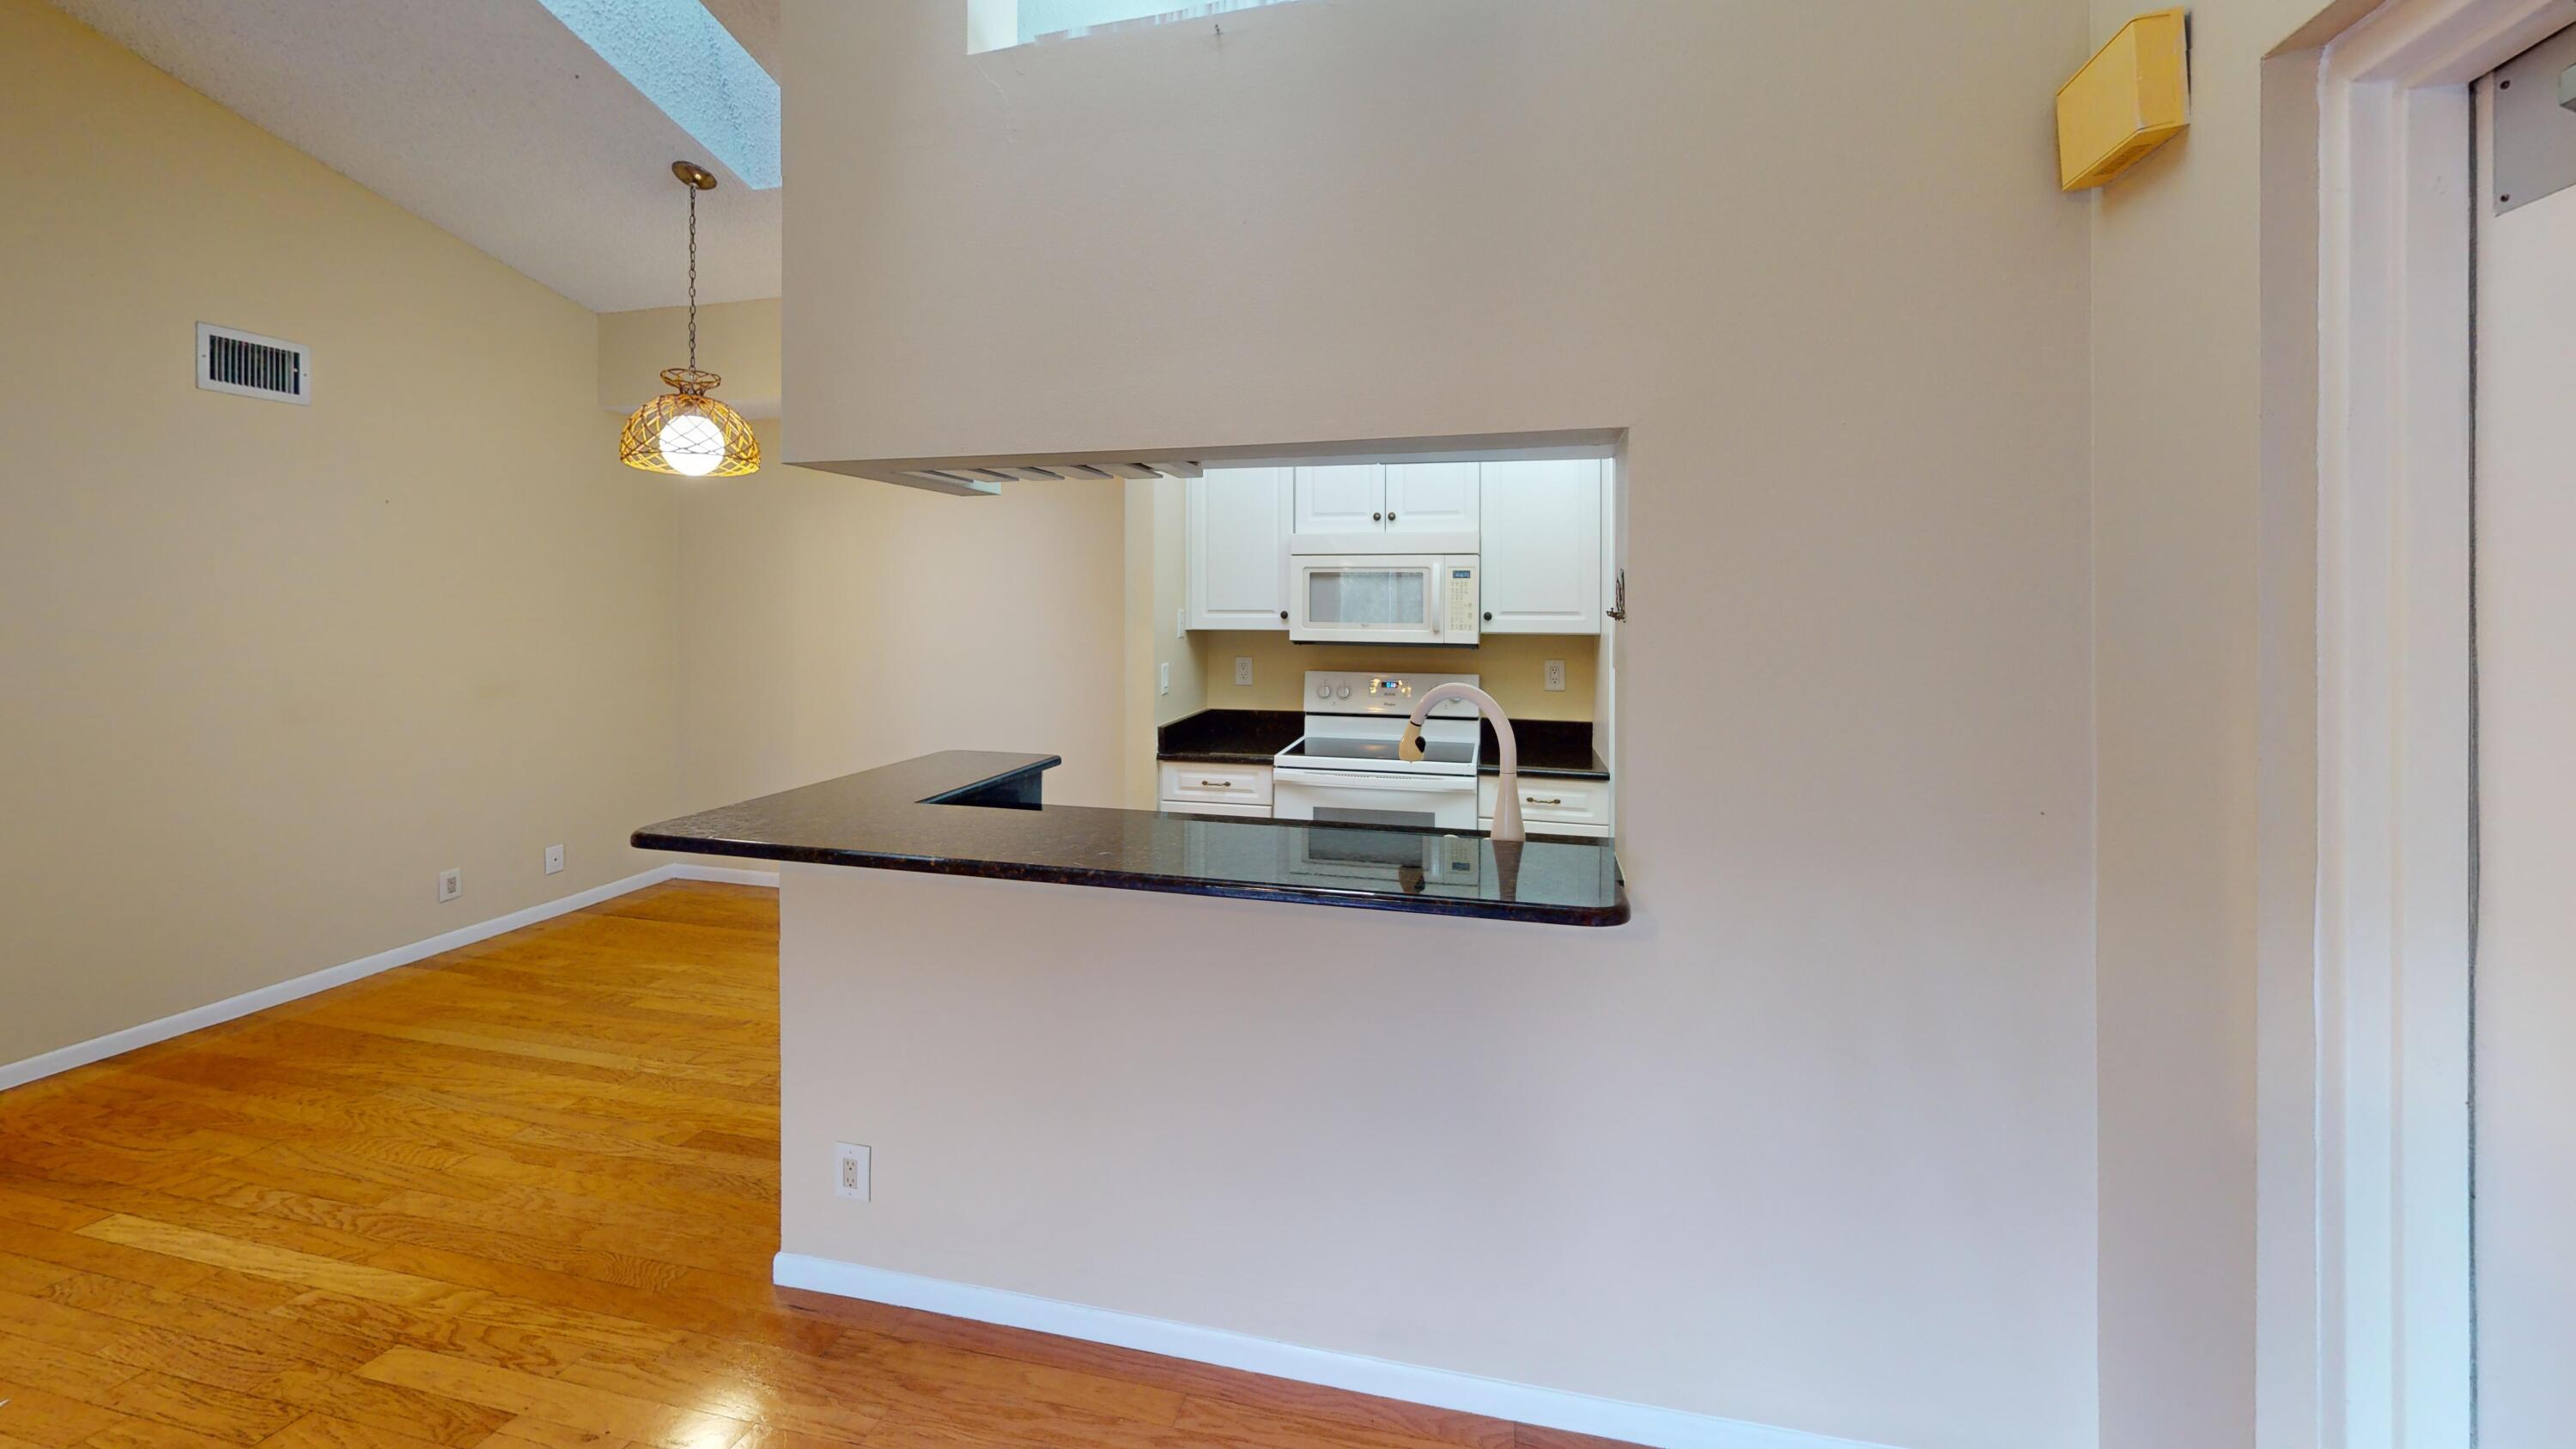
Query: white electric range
{"x": 1345, "y": 771}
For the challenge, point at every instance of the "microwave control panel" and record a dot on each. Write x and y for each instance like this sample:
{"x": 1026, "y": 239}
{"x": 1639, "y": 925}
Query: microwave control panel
{"x": 1462, "y": 599}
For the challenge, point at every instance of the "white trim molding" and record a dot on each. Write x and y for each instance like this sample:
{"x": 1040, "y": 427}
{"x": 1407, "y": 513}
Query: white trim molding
{"x": 117, "y": 1043}
{"x": 2392, "y": 1328}
{"x": 1355, "y": 1373}
{"x": 729, "y": 875}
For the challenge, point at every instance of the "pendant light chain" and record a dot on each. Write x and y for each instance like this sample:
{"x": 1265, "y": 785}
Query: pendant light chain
{"x": 693, "y": 278}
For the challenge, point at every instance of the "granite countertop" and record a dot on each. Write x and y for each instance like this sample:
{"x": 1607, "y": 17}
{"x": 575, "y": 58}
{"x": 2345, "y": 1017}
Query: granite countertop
{"x": 976, "y": 812}
{"x": 1549, "y": 747}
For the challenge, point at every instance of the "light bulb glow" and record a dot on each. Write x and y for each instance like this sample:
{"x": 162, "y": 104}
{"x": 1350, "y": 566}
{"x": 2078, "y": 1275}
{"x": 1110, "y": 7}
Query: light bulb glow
{"x": 692, "y": 444}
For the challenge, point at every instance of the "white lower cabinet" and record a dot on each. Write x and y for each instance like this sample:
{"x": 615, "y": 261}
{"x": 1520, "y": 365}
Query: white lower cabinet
{"x": 1551, "y": 806}
{"x": 1216, "y": 789}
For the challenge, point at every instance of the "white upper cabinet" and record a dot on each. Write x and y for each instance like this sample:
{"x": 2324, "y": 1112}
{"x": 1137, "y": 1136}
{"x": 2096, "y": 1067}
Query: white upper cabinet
{"x": 1236, "y": 523}
{"x": 1431, "y": 497}
{"x": 1343, "y": 498}
{"x": 1542, "y": 547}
{"x": 1539, "y": 527}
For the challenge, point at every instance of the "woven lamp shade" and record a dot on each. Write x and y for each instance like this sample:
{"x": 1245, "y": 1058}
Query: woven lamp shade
{"x": 722, "y": 440}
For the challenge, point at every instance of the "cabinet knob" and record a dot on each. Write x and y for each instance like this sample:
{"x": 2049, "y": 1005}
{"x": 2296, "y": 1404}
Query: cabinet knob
{"x": 1489, "y": 616}
{"x": 1283, "y": 616}
{"x": 1377, "y": 518}
{"x": 1390, "y": 518}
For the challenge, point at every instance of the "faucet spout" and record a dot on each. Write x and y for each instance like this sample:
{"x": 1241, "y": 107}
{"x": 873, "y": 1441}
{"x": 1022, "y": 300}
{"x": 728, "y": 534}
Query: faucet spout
{"x": 1507, "y": 799}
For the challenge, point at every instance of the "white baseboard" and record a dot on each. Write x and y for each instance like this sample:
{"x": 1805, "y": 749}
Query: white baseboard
{"x": 729, "y": 874}
{"x": 116, "y": 1043}
{"x": 1440, "y": 1388}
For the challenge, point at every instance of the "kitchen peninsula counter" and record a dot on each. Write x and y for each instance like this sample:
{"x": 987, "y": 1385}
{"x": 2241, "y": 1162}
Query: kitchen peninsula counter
{"x": 982, "y": 813}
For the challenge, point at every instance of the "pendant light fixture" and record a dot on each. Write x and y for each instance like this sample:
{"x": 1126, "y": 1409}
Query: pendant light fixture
{"x": 685, "y": 431}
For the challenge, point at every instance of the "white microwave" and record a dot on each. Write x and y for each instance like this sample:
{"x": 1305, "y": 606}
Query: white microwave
{"x": 1384, "y": 598}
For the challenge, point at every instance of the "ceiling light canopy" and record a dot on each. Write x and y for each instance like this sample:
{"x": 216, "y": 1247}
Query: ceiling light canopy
{"x": 684, "y": 60}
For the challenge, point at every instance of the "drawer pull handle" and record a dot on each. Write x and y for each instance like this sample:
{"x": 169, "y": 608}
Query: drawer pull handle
{"x": 1218, "y": 784}
{"x": 1542, "y": 799}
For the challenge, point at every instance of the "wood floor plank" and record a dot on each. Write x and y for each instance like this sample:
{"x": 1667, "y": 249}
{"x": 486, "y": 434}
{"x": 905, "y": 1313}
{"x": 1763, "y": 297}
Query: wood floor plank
{"x": 358, "y": 1280}
{"x": 226, "y": 1414}
{"x": 39, "y": 1416}
{"x": 523, "y": 1196}
{"x": 937, "y": 1371}
{"x": 41, "y": 1211}
{"x": 27, "y": 1276}
{"x": 436, "y": 1417}
{"x": 576, "y": 1405}
{"x": 526, "y": 1432}
{"x": 59, "y": 1370}
{"x": 147, "y": 1434}
{"x": 321, "y": 1431}
{"x": 257, "y": 1328}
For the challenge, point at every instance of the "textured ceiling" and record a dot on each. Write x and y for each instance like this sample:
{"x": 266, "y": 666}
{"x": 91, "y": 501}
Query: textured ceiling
{"x": 488, "y": 119}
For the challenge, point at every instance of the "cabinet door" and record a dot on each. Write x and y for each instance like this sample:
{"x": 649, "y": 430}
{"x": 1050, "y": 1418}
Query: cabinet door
{"x": 1343, "y": 498}
{"x": 1542, "y": 547}
{"x": 1431, "y": 497}
{"x": 1236, "y": 520}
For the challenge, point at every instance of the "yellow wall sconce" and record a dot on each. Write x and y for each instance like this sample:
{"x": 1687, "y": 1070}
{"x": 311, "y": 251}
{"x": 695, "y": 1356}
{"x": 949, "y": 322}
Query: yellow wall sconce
{"x": 2132, "y": 96}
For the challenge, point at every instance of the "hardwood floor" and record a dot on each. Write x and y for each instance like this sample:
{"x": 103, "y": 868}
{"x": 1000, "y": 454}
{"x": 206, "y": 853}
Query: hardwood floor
{"x": 524, "y": 1196}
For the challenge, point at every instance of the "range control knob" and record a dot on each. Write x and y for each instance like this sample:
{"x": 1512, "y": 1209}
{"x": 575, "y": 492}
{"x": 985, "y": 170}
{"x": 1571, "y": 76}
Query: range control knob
{"x": 1323, "y": 691}
{"x": 1344, "y": 691}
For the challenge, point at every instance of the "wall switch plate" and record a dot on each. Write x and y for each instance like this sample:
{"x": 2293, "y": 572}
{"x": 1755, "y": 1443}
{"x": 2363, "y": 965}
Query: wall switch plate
{"x": 1243, "y": 669}
{"x": 850, "y": 1171}
{"x": 554, "y": 860}
{"x": 451, "y": 884}
{"x": 1180, "y": 623}
{"x": 1163, "y": 678}
{"x": 1556, "y": 674}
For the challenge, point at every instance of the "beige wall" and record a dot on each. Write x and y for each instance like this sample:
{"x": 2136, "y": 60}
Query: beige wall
{"x": 271, "y": 668}
{"x": 1154, "y": 564}
{"x": 738, "y": 340}
{"x": 1815, "y": 1133}
{"x": 2205, "y": 691}
{"x": 1512, "y": 666}
{"x": 827, "y": 625}
{"x": 1185, "y": 651}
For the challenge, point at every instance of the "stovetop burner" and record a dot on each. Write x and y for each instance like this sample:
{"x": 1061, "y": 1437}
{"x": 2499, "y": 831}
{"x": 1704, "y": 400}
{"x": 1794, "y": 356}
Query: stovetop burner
{"x": 1377, "y": 752}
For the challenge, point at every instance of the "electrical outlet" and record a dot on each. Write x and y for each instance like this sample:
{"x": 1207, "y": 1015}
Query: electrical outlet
{"x": 1163, "y": 678}
{"x": 850, "y": 1171}
{"x": 1556, "y": 674}
{"x": 554, "y": 860}
{"x": 1243, "y": 669}
{"x": 451, "y": 884}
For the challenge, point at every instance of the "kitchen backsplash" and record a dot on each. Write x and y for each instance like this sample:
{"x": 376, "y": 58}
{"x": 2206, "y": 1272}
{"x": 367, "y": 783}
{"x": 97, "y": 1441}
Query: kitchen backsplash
{"x": 1512, "y": 666}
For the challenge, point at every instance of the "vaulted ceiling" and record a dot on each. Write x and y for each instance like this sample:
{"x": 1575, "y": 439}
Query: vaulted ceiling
{"x": 488, "y": 118}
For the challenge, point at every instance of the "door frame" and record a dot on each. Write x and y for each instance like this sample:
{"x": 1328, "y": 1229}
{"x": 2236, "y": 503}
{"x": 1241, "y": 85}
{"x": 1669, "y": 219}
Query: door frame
{"x": 2379, "y": 1355}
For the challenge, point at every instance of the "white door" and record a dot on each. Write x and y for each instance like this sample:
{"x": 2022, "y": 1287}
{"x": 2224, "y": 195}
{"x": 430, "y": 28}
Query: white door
{"x": 2525, "y": 967}
{"x": 1431, "y": 497}
{"x": 1542, "y": 547}
{"x": 1342, "y": 498}
{"x": 1236, "y": 520}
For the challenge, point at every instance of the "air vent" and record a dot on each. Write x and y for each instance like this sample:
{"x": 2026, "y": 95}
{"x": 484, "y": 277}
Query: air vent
{"x": 252, "y": 365}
